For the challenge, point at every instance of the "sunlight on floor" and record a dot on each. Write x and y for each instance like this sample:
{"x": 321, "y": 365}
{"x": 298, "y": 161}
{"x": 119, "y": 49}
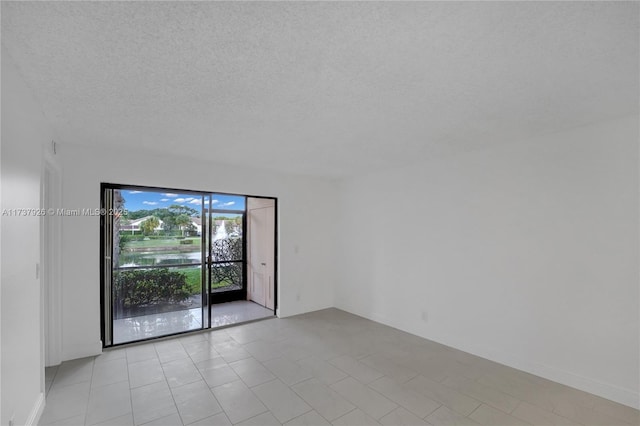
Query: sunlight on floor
{"x": 161, "y": 324}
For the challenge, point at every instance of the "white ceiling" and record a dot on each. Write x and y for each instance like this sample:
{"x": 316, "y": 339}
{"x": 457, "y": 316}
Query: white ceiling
{"x": 326, "y": 89}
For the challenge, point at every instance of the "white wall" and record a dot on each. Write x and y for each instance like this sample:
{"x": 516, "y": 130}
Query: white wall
{"x": 24, "y": 133}
{"x": 524, "y": 253}
{"x": 306, "y": 209}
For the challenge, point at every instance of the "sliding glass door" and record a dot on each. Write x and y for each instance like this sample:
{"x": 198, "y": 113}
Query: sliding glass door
{"x": 168, "y": 257}
{"x": 153, "y": 264}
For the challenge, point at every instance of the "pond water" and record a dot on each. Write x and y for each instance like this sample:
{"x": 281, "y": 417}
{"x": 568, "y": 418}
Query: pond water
{"x": 158, "y": 259}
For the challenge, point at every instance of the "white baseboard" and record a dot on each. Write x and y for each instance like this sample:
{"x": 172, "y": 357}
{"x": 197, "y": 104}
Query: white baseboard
{"x": 614, "y": 393}
{"x": 82, "y": 351}
{"x": 587, "y": 384}
{"x": 623, "y": 396}
{"x": 36, "y": 411}
{"x": 289, "y": 313}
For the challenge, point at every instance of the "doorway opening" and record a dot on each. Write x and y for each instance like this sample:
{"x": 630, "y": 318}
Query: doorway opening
{"x": 176, "y": 261}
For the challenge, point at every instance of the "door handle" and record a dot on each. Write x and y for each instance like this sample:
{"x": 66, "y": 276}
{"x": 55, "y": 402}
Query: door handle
{"x": 263, "y": 264}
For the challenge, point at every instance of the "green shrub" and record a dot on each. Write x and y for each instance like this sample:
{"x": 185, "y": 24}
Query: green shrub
{"x": 186, "y": 241}
{"x": 149, "y": 286}
{"x": 226, "y": 274}
{"x": 123, "y": 240}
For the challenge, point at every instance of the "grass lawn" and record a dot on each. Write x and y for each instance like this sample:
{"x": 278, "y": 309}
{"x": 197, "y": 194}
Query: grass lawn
{"x": 193, "y": 277}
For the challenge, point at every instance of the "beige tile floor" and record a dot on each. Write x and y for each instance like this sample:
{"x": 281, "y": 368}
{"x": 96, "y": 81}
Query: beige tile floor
{"x": 321, "y": 368}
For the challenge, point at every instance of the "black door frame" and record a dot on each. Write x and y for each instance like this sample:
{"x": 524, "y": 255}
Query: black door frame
{"x": 228, "y": 295}
{"x": 207, "y": 295}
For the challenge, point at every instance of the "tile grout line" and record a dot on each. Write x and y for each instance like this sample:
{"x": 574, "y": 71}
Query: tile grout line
{"x": 435, "y": 409}
{"x": 208, "y": 343}
{"x": 167, "y": 382}
{"x": 86, "y": 414}
{"x": 309, "y": 403}
{"x": 126, "y": 359}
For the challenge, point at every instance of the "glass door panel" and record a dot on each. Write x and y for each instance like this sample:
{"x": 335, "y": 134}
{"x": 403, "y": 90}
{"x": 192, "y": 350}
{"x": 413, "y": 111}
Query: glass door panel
{"x": 227, "y": 252}
{"x": 157, "y": 258}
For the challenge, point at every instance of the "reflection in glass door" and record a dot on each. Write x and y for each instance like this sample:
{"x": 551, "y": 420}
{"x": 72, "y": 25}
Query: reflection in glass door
{"x": 154, "y": 275}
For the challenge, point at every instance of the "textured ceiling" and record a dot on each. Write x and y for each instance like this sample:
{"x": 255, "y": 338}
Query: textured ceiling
{"x": 326, "y": 89}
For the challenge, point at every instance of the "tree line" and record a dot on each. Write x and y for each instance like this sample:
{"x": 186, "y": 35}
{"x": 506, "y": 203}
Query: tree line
{"x": 175, "y": 217}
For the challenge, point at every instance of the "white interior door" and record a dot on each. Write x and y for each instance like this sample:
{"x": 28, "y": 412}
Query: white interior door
{"x": 257, "y": 267}
{"x": 261, "y": 212}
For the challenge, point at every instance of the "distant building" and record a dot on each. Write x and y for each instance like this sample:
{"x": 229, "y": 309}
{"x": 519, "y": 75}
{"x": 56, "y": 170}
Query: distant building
{"x": 135, "y": 225}
{"x": 197, "y": 224}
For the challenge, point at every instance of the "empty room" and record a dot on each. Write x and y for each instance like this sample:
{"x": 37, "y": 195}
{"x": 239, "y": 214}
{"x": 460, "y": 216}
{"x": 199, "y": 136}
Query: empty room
{"x": 320, "y": 213}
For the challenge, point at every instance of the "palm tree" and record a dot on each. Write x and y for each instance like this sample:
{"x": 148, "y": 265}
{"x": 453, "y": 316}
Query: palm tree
{"x": 182, "y": 220}
{"x": 149, "y": 225}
